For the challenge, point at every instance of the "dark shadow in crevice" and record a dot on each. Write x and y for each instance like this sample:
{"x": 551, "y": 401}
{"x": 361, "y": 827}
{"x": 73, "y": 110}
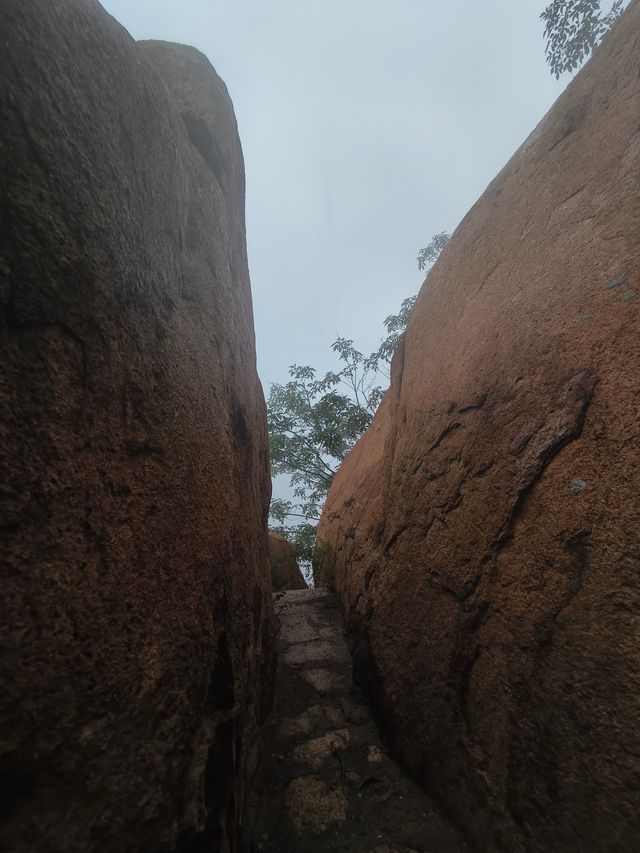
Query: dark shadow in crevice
{"x": 221, "y": 692}
{"x": 202, "y": 138}
{"x": 16, "y": 784}
{"x": 219, "y": 775}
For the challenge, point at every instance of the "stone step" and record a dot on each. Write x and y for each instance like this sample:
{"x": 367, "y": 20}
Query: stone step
{"x": 329, "y": 784}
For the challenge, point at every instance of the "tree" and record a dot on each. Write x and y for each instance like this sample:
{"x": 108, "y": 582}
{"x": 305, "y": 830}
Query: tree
{"x": 429, "y": 255}
{"x": 314, "y": 421}
{"x": 573, "y": 29}
{"x": 313, "y": 424}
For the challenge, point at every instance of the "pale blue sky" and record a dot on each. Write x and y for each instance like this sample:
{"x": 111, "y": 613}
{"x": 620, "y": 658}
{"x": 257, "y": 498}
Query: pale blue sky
{"x": 367, "y": 127}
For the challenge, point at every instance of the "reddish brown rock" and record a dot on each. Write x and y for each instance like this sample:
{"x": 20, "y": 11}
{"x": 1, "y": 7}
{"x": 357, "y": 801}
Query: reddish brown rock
{"x": 485, "y": 531}
{"x": 136, "y": 599}
{"x": 285, "y": 571}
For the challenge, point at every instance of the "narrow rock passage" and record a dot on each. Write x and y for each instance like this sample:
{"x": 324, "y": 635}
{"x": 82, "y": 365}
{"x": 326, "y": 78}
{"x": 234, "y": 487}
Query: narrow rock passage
{"x": 329, "y": 784}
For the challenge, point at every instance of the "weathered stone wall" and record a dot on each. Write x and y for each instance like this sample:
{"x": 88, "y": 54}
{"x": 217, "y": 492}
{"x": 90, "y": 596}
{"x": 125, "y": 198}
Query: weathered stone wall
{"x": 485, "y": 531}
{"x": 285, "y": 571}
{"x": 136, "y": 598}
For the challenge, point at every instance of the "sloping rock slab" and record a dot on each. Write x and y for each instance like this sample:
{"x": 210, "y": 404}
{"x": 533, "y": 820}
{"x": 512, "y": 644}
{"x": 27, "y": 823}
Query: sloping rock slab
{"x": 485, "y": 531}
{"x": 285, "y": 571}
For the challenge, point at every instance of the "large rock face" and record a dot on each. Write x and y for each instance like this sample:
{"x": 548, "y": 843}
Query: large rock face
{"x": 285, "y": 571}
{"x": 135, "y": 581}
{"x": 486, "y": 529}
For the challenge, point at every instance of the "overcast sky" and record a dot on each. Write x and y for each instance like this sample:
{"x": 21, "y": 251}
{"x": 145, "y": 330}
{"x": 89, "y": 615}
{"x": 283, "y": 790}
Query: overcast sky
{"x": 367, "y": 127}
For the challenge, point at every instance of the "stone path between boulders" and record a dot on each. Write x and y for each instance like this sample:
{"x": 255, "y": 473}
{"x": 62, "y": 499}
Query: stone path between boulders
{"x": 329, "y": 784}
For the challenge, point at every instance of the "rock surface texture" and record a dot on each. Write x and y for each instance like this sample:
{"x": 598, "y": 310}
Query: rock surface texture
{"x": 136, "y": 599}
{"x": 331, "y": 786}
{"x": 285, "y": 571}
{"x": 485, "y": 531}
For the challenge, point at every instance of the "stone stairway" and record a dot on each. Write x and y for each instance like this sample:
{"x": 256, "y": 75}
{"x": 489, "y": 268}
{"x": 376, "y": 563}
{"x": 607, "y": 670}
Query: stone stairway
{"x": 329, "y": 784}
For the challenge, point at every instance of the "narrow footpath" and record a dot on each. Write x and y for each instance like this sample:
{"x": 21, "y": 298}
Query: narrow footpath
{"x": 329, "y": 784}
